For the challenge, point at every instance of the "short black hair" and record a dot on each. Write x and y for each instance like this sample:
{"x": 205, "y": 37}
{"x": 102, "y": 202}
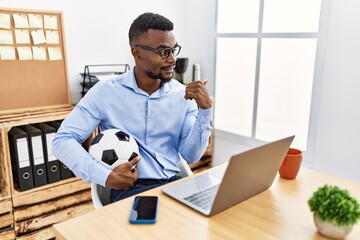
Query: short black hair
{"x": 147, "y": 21}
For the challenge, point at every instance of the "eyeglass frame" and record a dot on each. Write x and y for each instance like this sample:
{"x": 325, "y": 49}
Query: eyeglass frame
{"x": 160, "y": 52}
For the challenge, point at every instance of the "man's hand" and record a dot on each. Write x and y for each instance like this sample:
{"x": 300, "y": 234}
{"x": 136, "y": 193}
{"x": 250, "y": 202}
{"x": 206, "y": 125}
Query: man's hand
{"x": 123, "y": 176}
{"x": 197, "y": 91}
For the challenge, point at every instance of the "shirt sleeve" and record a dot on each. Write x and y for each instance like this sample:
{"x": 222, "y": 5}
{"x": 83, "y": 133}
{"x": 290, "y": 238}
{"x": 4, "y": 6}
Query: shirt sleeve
{"x": 67, "y": 143}
{"x": 196, "y": 135}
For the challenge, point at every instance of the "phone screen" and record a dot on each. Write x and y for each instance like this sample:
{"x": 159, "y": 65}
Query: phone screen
{"x": 144, "y": 209}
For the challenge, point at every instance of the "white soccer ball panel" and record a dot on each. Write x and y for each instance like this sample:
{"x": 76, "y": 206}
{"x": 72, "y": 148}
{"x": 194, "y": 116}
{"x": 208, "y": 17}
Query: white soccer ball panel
{"x": 113, "y": 147}
{"x": 96, "y": 151}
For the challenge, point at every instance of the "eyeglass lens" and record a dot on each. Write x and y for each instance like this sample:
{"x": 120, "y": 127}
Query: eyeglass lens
{"x": 166, "y": 52}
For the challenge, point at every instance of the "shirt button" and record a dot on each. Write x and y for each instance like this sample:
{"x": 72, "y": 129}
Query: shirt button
{"x": 148, "y": 139}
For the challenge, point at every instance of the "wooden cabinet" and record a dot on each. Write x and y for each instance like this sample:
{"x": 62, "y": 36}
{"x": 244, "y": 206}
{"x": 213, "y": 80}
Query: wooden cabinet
{"x": 30, "y": 214}
{"x": 33, "y": 92}
{"x": 6, "y": 209}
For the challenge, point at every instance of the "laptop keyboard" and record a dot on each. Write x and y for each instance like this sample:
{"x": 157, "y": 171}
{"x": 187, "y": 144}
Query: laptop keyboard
{"x": 204, "y": 198}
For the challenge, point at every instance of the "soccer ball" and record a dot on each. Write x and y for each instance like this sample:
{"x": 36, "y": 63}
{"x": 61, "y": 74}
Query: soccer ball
{"x": 113, "y": 147}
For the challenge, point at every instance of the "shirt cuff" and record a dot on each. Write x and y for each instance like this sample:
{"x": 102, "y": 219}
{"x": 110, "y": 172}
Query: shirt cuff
{"x": 100, "y": 174}
{"x": 205, "y": 117}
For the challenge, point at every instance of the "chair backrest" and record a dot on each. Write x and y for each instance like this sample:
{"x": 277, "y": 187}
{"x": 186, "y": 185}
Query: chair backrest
{"x": 101, "y": 195}
{"x": 185, "y": 170}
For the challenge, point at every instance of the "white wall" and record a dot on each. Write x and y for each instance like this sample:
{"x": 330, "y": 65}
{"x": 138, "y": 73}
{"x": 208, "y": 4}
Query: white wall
{"x": 337, "y": 131}
{"x": 338, "y": 127}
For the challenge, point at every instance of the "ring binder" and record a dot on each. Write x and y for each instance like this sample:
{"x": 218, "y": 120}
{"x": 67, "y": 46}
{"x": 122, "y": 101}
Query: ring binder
{"x": 36, "y": 154}
{"x": 65, "y": 172}
{"x": 52, "y": 164}
{"x": 20, "y": 160}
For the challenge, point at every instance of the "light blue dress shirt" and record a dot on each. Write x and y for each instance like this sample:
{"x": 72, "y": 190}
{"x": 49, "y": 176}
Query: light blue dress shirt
{"x": 165, "y": 125}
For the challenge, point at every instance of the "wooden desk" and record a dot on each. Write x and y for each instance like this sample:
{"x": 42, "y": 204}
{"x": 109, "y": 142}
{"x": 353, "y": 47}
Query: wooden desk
{"x": 280, "y": 212}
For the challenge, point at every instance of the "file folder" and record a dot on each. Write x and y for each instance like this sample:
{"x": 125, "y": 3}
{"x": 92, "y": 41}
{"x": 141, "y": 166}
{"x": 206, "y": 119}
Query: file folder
{"x": 20, "y": 161}
{"x": 36, "y": 153}
{"x": 65, "y": 172}
{"x": 52, "y": 164}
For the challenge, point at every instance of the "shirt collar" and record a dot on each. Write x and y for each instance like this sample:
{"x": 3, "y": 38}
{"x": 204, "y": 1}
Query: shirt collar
{"x": 130, "y": 82}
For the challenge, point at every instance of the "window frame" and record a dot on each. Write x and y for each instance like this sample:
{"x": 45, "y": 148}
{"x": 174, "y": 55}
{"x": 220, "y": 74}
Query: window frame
{"x": 320, "y": 36}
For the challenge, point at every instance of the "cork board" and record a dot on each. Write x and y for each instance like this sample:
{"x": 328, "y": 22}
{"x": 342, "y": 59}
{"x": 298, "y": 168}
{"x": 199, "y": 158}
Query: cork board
{"x": 39, "y": 81}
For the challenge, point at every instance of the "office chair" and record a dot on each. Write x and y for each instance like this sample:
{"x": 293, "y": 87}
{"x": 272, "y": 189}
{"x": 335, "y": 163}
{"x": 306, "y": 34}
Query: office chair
{"x": 101, "y": 195}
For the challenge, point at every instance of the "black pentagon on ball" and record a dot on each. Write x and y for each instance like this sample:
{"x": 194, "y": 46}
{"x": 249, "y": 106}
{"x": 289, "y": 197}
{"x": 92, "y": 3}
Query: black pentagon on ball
{"x": 122, "y": 136}
{"x": 97, "y": 139}
{"x": 133, "y": 155}
{"x": 109, "y": 156}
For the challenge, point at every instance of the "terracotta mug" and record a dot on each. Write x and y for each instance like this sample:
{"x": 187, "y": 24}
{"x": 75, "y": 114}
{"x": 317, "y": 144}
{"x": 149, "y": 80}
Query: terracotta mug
{"x": 291, "y": 164}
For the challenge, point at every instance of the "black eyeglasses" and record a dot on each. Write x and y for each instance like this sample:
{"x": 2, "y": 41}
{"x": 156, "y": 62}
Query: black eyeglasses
{"x": 163, "y": 52}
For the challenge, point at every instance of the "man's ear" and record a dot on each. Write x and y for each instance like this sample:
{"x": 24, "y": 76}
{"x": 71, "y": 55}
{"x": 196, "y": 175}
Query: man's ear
{"x": 135, "y": 52}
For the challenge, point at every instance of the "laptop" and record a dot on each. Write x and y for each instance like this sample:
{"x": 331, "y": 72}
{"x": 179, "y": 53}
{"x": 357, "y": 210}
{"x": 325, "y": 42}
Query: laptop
{"x": 246, "y": 175}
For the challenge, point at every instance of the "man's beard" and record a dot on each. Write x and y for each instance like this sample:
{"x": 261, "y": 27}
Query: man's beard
{"x": 158, "y": 76}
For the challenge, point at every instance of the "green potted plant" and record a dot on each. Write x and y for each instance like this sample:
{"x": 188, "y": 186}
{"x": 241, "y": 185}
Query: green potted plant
{"x": 334, "y": 210}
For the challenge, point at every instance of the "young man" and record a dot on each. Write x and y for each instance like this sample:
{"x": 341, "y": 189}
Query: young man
{"x": 168, "y": 120}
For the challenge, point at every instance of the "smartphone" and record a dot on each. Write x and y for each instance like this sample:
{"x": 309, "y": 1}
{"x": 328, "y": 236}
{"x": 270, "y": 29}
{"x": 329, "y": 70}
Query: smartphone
{"x": 144, "y": 209}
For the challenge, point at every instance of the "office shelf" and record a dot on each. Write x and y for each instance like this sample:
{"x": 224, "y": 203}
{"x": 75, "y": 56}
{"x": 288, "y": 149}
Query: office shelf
{"x": 30, "y": 214}
{"x": 99, "y": 72}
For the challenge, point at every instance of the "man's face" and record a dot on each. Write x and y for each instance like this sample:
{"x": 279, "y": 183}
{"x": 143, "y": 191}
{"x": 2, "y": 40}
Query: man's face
{"x": 150, "y": 62}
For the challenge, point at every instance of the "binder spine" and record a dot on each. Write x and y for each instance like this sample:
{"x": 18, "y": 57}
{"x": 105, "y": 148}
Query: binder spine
{"x": 36, "y": 154}
{"x": 20, "y": 160}
{"x": 65, "y": 172}
{"x": 52, "y": 164}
